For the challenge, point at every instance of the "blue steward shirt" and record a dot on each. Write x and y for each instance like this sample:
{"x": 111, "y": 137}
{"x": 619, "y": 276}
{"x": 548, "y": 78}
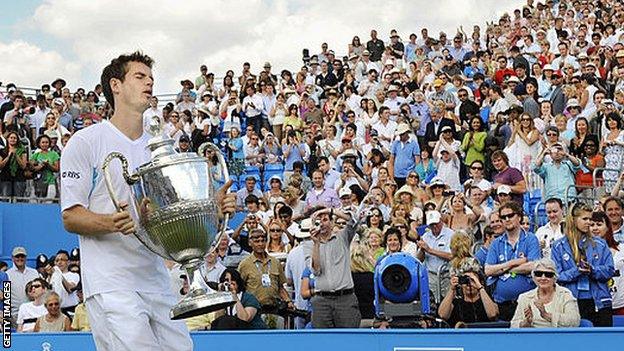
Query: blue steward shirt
{"x": 510, "y": 286}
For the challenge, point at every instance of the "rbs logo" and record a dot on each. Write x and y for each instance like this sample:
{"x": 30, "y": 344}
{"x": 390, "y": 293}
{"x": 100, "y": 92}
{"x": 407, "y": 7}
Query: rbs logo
{"x": 71, "y": 174}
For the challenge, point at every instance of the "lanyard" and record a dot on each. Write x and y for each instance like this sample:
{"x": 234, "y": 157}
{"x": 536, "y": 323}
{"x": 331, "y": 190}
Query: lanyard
{"x": 514, "y": 250}
{"x": 258, "y": 266}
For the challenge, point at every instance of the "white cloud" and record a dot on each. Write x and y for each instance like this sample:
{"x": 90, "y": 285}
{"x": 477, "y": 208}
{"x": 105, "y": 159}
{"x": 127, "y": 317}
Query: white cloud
{"x": 30, "y": 66}
{"x": 181, "y": 35}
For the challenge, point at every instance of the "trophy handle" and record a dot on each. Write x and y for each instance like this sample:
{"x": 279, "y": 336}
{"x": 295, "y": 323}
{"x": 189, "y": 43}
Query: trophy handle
{"x": 130, "y": 179}
{"x": 201, "y": 150}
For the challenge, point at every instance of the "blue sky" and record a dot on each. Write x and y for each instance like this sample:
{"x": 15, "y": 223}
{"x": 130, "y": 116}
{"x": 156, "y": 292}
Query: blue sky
{"x": 74, "y": 39}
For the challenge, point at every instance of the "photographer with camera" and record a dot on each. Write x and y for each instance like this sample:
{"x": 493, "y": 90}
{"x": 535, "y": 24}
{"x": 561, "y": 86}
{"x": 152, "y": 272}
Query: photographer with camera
{"x": 558, "y": 175}
{"x": 245, "y": 314}
{"x": 466, "y": 301}
{"x": 334, "y": 303}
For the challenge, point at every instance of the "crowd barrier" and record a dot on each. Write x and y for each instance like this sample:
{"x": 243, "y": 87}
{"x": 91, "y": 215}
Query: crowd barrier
{"x": 37, "y": 227}
{"x": 363, "y": 339}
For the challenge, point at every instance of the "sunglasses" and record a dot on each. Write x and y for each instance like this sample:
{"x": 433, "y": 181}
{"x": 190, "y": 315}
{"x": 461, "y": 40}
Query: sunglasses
{"x": 275, "y": 230}
{"x": 551, "y": 134}
{"x": 525, "y": 119}
{"x": 258, "y": 239}
{"x": 375, "y": 215}
{"x": 477, "y": 168}
{"x": 462, "y": 95}
{"x": 53, "y": 304}
{"x": 400, "y": 227}
{"x": 544, "y": 274}
{"x": 341, "y": 223}
{"x": 507, "y": 216}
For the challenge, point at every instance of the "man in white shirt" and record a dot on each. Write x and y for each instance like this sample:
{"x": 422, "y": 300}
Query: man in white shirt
{"x": 551, "y": 231}
{"x": 435, "y": 248}
{"x": 126, "y": 286}
{"x": 151, "y": 112}
{"x": 252, "y": 106}
{"x": 31, "y": 310}
{"x": 213, "y": 268}
{"x": 64, "y": 282}
{"x": 298, "y": 259}
{"x": 19, "y": 275}
{"x": 38, "y": 118}
{"x": 385, "y": 127}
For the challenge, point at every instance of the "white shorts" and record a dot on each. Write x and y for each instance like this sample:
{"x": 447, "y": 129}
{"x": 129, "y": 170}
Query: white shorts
{"x": 130, "y": 320}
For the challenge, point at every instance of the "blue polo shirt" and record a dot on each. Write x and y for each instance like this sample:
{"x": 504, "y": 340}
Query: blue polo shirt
{"x": 404, "y": 157}
{"x": 510, "y": 286}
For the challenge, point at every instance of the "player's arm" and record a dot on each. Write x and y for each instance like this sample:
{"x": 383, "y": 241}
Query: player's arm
{"x": 81, "y": 221}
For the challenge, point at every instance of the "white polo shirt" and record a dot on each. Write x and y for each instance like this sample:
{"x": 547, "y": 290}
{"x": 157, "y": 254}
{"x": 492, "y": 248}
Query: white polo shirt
{"x": 110, "y": 262}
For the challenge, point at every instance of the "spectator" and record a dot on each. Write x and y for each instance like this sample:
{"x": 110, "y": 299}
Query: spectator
{"x": 553, "y": 230}
{"x": 320, "y": 195}
{"x": 509, "y": 176}
{"x": 263, "y": 274}
{"x": 13, "y": 164}
{"x": 466, "y": 301}
{"x": 299, "y": 258}
{"x": 510, "y": 260}
{"x": 53, "y": 320}
{"x": 488, "y": 237}
{"x": 276, "y": 245}
{"x": 45, "y": 163}
{"x": 213, "y": 268}
{"x": 474, "y": 142}
{"x": 334, "y": 304}
{"x": 245, "y": 314}
{"x": 29, "y": 311}
{"x": 523, "y": 145}
{"x": 405, "y": 154}
{"x": 64, "y": 282}
{"x": 558, "y": 175}
{"x": 435, "y": 249}
{"x": 547, "y": 306}
{"x": 612, "y": 146}
{"x": 585, "y": 265}
{"x": 249, "y": 189}
{"x": 19, "y": 275}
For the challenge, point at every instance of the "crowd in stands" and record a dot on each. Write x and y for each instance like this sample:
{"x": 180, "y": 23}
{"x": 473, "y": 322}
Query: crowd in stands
{"x": 443, "y": 147}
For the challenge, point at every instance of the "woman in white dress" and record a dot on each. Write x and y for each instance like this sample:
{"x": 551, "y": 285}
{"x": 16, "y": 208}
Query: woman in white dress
{"x": 612, "y": 146}
{"x": 523, "y": 146}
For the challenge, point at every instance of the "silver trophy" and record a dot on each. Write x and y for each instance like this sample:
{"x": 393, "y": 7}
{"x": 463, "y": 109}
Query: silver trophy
{"x": 175, "y": 198}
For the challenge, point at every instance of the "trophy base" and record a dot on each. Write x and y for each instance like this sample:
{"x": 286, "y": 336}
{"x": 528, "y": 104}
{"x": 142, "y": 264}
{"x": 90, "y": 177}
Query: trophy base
{"x": 200, "y": 302}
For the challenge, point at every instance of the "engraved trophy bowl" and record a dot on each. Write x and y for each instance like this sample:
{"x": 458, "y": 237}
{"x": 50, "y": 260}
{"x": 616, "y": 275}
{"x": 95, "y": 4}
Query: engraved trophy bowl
{"x": 175, "y": 198}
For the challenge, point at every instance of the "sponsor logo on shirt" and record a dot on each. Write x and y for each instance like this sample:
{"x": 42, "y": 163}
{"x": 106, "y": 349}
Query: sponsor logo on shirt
{"x": 70, "y": 174}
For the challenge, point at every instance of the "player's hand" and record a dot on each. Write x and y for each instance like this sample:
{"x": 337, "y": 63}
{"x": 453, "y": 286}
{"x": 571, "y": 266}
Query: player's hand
{"x": 226, "y": 201}
{"x": 123, "y": 220}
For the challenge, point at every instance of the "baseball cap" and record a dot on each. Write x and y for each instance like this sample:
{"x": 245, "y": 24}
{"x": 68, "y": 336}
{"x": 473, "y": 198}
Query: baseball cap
{"x": 433, "y": 217}
{"x": 344, "y": 192}
{"x": 19, "y": 250}
{"x": 438, "y": 82}
{"x": 184, "y": 138}
{"x": 41, "y": 261}
{"x": 504, "y": 189}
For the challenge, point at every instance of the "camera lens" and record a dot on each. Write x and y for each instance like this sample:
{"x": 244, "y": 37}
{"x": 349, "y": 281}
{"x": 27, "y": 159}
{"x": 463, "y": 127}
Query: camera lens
{"x": 396, "y": 278}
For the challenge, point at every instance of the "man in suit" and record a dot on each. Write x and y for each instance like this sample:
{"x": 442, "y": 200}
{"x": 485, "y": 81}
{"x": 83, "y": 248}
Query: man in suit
{"x": 432, "y": 133}
{"x": 557, "y": 99}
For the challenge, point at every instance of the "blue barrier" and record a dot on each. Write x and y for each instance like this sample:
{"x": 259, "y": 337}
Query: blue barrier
{"x": 363, "y": 340}
{"x": 37, "y": 227}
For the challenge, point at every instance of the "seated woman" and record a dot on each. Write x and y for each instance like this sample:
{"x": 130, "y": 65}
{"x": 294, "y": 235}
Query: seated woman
{"x": 54, "y": 320}
{"x": 245, "y": 314}
{"x": 547, "y": 306}
{"x": 466, "y": 301}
